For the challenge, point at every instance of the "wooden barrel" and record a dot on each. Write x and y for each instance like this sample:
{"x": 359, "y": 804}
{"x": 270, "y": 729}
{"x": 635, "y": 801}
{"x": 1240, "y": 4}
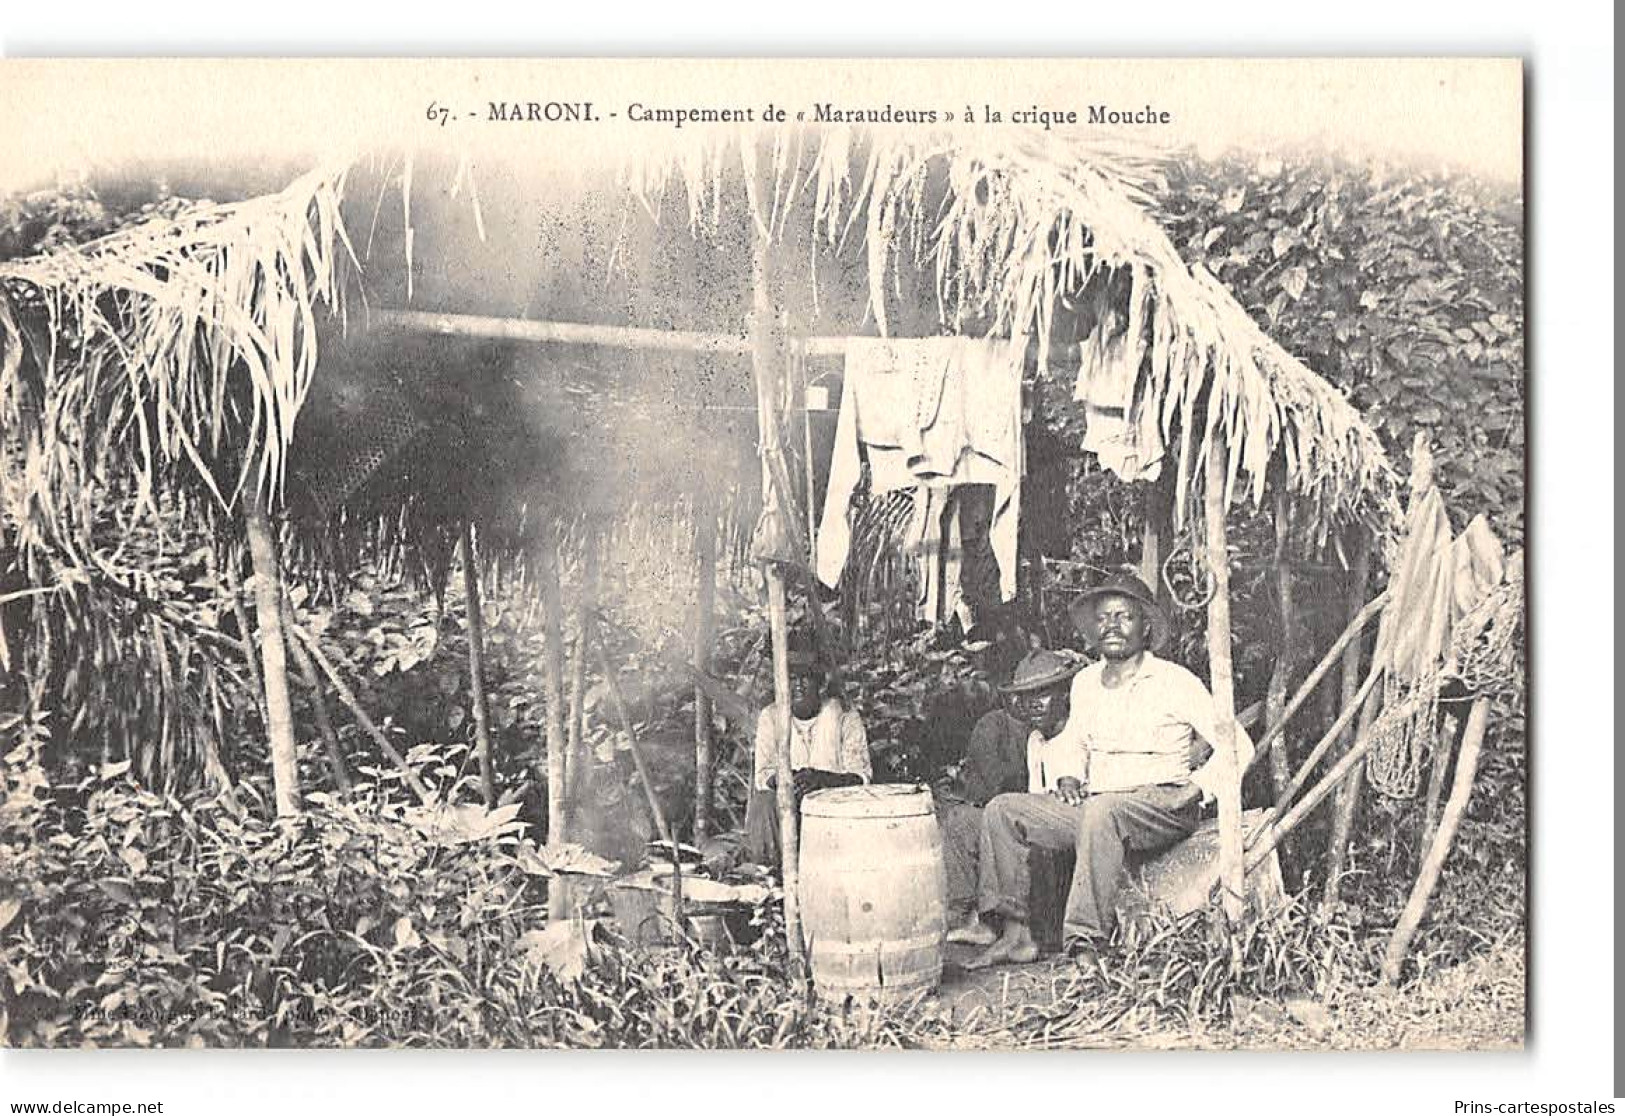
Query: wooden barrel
{"x": 873, "y": 893}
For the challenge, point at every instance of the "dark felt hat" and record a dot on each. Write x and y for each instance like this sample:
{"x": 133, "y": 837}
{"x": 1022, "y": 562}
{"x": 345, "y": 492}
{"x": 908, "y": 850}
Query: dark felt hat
{"x": 1122, "y": 584}
{"x": 1039, "y": 670}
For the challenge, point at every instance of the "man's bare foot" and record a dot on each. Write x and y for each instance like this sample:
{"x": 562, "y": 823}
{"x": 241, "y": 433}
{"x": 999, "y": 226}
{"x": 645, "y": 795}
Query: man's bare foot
{"x": 1014, "y": 947}
{"x": 973, "y": 931}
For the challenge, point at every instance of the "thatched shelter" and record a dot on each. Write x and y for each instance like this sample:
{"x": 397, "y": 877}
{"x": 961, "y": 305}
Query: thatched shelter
{"x": 172, "y": 370}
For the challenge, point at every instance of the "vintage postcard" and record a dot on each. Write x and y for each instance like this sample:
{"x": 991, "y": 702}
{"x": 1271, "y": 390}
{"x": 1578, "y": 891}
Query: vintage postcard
{"x": 973, "y": 555}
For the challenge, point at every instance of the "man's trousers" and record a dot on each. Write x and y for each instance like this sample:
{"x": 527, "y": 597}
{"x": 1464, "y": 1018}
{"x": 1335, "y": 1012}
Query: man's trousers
{"x": 1103, "y": 831}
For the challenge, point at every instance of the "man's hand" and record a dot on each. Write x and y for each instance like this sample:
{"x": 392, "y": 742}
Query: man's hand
{"x": 1201, "y": 751}
{"x": 1069, "y": 790}
{"x": 809, "y": 779}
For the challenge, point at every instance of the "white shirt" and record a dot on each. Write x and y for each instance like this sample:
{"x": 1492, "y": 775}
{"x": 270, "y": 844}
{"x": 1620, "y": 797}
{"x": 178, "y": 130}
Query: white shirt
{"x": 1049, "y": 761}
{"x": 1139, "y": 733}
{"x": 834, "y": 740}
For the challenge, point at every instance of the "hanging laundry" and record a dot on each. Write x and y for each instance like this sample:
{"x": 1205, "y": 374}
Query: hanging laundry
{"x": 938, "y": 412}
{"x": 935, "y": 536}
{"x": 1125, "y": 439}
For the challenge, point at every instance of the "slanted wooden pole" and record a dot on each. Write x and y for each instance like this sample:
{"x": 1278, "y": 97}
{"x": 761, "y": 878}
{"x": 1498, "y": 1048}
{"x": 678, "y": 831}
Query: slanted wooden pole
{"x": 1231, "y": 874}
{"x": 656, "y": 812}
{"x": 474, "y": 605}
{"x": 1318, "y": 752}
{"x": 1461, "y": 790}
{"x": 553, "y": 688}
{"x": 318, "y": 701}
{"x": 348, "y": 699}
{"x": 1318, "y": 675}
{"x": 274, "y": 655}
{"x": 1348, "y": 795}
{"x": 705, "y": 574}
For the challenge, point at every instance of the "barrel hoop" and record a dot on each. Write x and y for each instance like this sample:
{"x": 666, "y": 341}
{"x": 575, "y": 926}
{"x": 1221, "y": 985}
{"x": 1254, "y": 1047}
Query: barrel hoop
{"x": 890, "y": 948}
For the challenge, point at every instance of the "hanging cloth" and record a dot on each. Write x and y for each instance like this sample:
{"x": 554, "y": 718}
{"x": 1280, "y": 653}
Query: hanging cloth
{"x": 938, "y": 412}
{"x": 1126, "y": 440}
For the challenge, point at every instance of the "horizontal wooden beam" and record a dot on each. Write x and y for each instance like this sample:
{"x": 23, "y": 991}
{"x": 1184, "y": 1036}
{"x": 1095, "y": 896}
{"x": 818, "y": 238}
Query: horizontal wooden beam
{"x": 562, "y": 333}
{"x": 627, "y": 337}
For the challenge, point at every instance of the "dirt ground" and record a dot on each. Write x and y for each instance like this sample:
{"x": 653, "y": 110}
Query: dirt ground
{"x": 1479, "y": 1005}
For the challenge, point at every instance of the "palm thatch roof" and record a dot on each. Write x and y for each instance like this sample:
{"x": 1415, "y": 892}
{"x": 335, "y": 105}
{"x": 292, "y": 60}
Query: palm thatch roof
{"x": 181, "y": 339}
{"x": 1016, "y": 226}
{"x": 165, "y": 371}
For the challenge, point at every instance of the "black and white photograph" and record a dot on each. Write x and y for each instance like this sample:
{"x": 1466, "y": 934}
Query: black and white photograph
{"x": 774, "y": 555}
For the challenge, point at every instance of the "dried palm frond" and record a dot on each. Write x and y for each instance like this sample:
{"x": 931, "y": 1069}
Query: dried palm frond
{"x": 1012, "y": 225}
{"x": 188, "y": 339}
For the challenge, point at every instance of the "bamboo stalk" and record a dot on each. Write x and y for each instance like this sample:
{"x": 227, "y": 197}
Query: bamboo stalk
{"x": 1348, "y": 797}
{"x": 1224, "y": 694}
{"x": 1461, "y": 790}
{"x": 348, "y": 699}
{"x": 656, "y": 812}
{"x": 473, "y": 605}
{"x": 274, "y": 652}
{"x": 553, "y": 689}
{"x": 705, "y": 572}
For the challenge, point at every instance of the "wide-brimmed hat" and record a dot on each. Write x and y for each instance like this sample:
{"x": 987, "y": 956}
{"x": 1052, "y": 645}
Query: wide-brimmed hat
{"x": 1039, "y": 670}
{"x": 1127, "y": 585}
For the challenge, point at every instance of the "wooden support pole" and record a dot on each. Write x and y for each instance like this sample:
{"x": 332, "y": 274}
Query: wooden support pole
{"x": 705, "y": 576}
{"x": 1444, "y": 746}
{"x": 1287, "y": 653}
{"x": 1151, "y": 552}
{"x": 348, "y": 699}
{"x": 274, "y": 653}
{"x": 553, "y": 689}
{"x": 1348, "y": 796}
{"x": 1231, "y": 872}
{"x": 1461, "y": 790}
{"x": 234, "y": 590}
{"x": 764, "y": 364}
{"x": 575, "y": 760}
{"x": 789, "y": 831}
{"x": 475, "y": 611}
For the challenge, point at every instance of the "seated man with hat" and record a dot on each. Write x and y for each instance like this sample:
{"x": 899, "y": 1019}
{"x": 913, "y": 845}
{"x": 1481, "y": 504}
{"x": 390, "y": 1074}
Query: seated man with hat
{"x": 998, "y": 761}
{"x": 1130, "y": 771}
{"x": 829, "y": 747}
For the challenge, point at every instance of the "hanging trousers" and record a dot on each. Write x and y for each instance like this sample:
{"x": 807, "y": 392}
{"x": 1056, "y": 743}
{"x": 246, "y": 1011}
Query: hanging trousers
{"x": 1103, "y": 831}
